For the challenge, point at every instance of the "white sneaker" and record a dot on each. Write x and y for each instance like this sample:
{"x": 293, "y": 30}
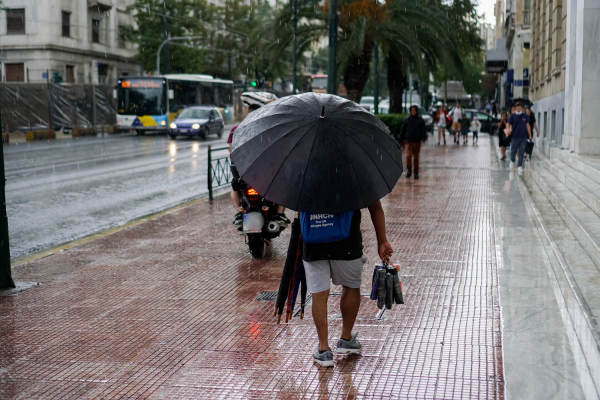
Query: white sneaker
{"x": 520, "y": 170}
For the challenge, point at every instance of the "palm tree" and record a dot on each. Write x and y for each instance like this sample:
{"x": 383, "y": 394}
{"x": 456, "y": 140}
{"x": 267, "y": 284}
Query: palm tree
{"x": 411, "y": 35}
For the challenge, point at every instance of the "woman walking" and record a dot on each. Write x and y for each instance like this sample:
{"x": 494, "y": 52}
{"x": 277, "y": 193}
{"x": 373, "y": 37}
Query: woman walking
{"x": 440, "y": 120}
{"x": 502, "y": 139}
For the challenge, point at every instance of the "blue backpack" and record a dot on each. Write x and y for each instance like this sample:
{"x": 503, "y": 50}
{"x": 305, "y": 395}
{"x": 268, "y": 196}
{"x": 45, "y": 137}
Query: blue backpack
{"x": 325, "y": 228}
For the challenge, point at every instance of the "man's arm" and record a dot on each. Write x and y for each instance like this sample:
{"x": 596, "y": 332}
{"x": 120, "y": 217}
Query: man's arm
{"x": 536, "y": 129}
{"x": 384, "y": 248}
{"x": 528, "y": 130}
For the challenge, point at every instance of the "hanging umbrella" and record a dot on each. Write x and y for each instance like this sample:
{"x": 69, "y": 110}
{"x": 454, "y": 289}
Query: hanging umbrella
{"x": 317, "y": 153}
{"x": 294, "y": 257}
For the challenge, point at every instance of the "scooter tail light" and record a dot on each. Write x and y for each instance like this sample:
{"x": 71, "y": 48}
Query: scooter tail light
{"x": 252, "y": 192}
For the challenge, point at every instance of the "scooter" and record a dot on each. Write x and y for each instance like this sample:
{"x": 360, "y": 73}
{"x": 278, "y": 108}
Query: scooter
{"x": 259, "y": 224}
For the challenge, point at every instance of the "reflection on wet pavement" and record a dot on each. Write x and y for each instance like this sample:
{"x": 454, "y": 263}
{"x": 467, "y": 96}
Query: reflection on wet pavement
{"x": 61, "y": 191}
{"x": 166, "y": 309}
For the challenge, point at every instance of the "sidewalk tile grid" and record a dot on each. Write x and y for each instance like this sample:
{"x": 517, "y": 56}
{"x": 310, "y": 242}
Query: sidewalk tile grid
{"x": 166, "y": 310}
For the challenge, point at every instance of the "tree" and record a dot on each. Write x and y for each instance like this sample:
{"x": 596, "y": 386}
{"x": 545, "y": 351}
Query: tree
{"x": 185, "y": 18}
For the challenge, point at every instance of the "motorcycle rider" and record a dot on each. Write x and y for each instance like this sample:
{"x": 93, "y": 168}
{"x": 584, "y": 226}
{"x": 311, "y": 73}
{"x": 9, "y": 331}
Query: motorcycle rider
{"x": 236, "y": 199}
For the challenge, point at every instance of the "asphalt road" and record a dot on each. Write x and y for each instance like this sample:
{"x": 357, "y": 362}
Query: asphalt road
{"x": 63, "y": 190}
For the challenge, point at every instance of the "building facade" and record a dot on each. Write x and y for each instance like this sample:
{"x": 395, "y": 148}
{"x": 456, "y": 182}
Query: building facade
{"x": 487, "y": 33}
{"x": 517, "y": 34}
{"x": 548, "y": 66}
{"x": 566, "y": 74}
{"x": 70, "y": 41}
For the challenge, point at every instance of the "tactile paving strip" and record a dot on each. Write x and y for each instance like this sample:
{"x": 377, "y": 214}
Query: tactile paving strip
{"x": 166, "y": 309}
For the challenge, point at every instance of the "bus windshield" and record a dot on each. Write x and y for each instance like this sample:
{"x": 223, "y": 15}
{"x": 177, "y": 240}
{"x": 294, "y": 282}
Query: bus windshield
{"x": 141, "y": 96}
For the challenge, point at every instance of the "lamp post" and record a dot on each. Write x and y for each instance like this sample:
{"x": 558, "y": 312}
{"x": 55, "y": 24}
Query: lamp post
{"x": 5, "y": 270}
{"x": 332, "y": 63}
{"x": 294, "y": 43}
{"x": 375, "y": 78}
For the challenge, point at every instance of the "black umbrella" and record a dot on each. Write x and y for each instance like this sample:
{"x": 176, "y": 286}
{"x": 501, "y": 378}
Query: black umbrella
{"x": 317, "y": 153}
{"x": 522, "y": 100}
{"x": 287, "y": 284}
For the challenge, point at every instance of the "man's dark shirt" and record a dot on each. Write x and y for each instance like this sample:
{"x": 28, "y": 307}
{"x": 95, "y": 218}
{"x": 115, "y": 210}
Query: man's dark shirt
{"x": 413, "y": 130}
{"x": 518, "y": 126}
{"x": 350, "y": 248}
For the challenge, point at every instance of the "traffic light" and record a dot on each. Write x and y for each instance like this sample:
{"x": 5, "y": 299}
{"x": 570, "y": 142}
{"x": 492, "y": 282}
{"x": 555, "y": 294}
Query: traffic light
{"x": 253, "y": 83}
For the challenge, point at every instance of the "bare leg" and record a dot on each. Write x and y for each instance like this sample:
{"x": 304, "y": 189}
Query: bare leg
{"x": 503, "y": 151}
{"x": 349, "y": 305}
{"x": 236, "y": 200}
{"x": 280, "y": 209}
{"x": 319, "y": 311}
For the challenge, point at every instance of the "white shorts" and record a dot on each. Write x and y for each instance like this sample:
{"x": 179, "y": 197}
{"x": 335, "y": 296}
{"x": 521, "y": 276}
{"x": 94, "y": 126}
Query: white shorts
{"x": 340, "y": 272}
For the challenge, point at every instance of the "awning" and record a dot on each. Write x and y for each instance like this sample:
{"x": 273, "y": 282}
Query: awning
{"x": 101, "y": 6}
{"x": 496, "y": 61}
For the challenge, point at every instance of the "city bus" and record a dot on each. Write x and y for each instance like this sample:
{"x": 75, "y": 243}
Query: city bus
{"x": 149, "y": 103}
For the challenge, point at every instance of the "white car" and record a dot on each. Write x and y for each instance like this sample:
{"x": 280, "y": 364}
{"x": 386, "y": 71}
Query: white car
{"x": 367, "y": 102}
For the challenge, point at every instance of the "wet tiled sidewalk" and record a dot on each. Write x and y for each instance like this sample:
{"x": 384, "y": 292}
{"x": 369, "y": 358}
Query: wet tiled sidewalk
{"x": 166, "y": 309}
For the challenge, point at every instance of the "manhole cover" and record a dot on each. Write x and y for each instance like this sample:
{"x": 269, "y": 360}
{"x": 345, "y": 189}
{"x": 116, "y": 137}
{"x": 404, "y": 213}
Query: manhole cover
{"x": 266, "y": 296}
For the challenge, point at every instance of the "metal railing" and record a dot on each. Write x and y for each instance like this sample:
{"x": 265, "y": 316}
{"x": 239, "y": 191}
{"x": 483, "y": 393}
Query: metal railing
{"x": 219, "y": 171}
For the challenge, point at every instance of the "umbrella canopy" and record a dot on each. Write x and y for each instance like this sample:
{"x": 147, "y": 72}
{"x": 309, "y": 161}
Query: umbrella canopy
{"x": 522, "y": 100}
{"x": 317, "y": 153}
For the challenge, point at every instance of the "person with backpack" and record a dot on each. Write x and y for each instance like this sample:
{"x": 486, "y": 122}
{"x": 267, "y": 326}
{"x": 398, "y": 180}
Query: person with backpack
{"x": 518, "y": 131}
{"x": 333, "y": 252}
{"x": 412, "y": 135}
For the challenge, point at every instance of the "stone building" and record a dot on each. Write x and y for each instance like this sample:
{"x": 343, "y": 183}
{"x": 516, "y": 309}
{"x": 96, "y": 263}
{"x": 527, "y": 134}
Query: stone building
{"x": 517, "y": 34}
{"x": 548, "y": 66}
{"x": 73, "y": 41}
{"x": 566, "y": 73}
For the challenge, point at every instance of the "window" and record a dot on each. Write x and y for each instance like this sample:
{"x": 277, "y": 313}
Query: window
{"x": 15, "y": 21}
{"x": 95, "y": 31}
{"x": 103, "y": 74}
{"x": 120, "y": 39}
{"x": 545, "y": 122}
{"x": 15, "y": 72}
{"x": 562, "y": 127}
{"x": 70, "y": 74}
{"x": 66, "y": 24}
{"x": 553, "y": 126}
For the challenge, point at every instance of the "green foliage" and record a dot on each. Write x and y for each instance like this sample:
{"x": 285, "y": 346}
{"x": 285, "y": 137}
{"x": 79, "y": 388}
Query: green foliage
{"x": 224, "y": 35}
{"x": 472, "y": 75}
{"x": 393, "y": 121}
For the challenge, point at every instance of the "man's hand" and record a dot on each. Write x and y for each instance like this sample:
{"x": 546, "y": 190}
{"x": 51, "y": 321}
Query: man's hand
{"x": 385, "y": 250}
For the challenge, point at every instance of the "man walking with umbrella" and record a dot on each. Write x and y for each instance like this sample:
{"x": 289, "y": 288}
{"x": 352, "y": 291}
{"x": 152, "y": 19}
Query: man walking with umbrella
{"x": 341, "y": 262}
{"x": 412, "y": 135}
{"x": 328, "y": 158}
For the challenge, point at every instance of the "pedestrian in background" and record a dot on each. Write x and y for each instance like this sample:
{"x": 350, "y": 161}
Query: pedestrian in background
{"x": 519, "y": 131}
{"x": 440, "y": 120}
{"x": 412, "y": 135}
{"x": 503, "y": 141}
{"x": 465, "y": 125}
{"x": 475, "y": 128}
{"x": 532, "y": 124}
{"x": 457, "y": 114}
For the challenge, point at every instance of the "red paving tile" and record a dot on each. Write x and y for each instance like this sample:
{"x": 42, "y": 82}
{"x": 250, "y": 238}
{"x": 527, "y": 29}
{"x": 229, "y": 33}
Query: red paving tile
{"x": 166, "y": 310}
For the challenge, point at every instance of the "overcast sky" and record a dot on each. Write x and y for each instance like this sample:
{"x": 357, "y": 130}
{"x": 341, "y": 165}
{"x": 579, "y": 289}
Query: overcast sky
{"x": 487, "y": 7}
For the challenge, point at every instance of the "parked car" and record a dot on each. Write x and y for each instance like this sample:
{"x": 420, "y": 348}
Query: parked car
{"x": 367, "y": 102}
{"x": 427, "y": 118}
{"x": 198, "y": 121}
{"x": 489, "y": 123}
